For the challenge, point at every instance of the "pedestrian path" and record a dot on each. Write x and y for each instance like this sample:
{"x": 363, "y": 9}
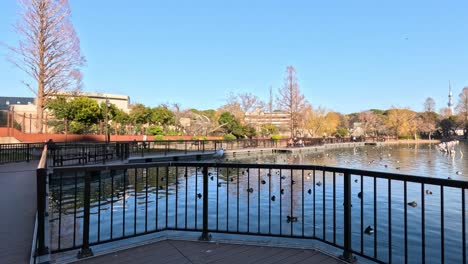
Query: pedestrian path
{"x": 17, "y": 210}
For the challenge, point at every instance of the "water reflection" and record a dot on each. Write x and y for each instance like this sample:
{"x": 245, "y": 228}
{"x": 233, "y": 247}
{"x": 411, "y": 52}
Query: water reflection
{"x": 124, "y": 203}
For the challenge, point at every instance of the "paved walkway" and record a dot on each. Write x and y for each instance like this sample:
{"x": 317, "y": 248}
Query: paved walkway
{"x": 18, "y": 211}
{"x": 175, "y": 252}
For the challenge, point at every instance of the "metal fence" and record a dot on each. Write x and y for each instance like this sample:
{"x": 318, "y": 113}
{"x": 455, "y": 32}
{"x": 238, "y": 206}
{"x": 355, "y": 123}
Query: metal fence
{"x": 74, "y": 153}
{"x": 19, "y": 152}
{"x": 380, "y": 216}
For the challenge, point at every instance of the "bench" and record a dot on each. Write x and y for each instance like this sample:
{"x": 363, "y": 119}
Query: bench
{"x": 60, "y": 159}
{"x": 99, "y": 156}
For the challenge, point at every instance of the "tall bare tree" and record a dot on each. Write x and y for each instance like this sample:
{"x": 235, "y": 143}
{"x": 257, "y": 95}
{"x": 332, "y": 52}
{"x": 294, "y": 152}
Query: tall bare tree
{"x": 462, "y": 109}
{"x": 427, "y": 120}
{"x": 290, "y": 99}
{"x": 48, "y": 50}
{"x": 429, "y": 105}
{"x": 249, "y": 102}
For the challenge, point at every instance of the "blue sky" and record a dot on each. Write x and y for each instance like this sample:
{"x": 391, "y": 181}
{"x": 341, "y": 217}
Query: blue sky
{"x": 349, "y": 55}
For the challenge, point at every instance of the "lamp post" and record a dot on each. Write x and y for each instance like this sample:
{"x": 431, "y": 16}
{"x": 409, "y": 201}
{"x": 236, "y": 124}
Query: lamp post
{"x": 107, "y": 121}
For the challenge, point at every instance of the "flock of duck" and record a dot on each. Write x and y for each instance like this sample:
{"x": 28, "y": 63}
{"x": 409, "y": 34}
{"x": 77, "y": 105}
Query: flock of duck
{"x": 445, "y": 147}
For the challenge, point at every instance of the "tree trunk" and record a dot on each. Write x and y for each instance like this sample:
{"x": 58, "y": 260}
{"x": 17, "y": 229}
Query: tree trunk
{"x": 39, "y": 108}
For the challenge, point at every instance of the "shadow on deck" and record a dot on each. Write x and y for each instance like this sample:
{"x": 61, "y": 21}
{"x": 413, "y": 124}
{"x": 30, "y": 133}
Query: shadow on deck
{"x": 176, "y": 251}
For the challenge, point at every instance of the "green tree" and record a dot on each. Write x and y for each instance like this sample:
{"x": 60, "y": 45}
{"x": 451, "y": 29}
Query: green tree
{"x": 448, "y": 126}
{"x": 80, "y": 114}
{"x": 162, "y": 116}
{"x": 87, "y": 110}
{"x": 231, "y": 125}
{"x": 140, "y": 114}
{"x": 268, "y": 130}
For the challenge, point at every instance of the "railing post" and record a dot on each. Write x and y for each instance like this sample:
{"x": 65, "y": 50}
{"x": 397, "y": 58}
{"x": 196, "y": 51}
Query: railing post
{"x": 141, "y": 147}
{"x": 85, "y": 249}
{"x": 104, "y": 148}
{"x": 205, "y": 236}
{"x": 117, "y": 150}
{"x": 41, "y": 182}
{"x": 347, "y": 252}
{"x": 28, "y": 152}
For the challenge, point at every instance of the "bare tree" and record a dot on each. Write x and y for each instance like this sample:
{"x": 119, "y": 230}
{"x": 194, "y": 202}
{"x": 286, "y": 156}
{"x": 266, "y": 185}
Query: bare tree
{"x": 427, "y": 120}
{"x": 369, "y": 122}
{"x": 48, "y": 50}
{"x": 462, "y": 109}
{"x": 290, "y": 98}
{"x": 249, "y": 102}
{"x": 429, "y": 105}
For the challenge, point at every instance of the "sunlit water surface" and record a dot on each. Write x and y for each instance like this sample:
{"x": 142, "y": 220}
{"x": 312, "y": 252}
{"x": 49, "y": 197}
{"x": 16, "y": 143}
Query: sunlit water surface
{"x": 137, "y": 201}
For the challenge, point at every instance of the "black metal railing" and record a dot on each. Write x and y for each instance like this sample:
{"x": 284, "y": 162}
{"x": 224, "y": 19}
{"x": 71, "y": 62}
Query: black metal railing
{"x": 75, "y": 153}
{"x": 40, "y": 242}
{"x": 18, "y": 152}
{"x": 383, "y": 217}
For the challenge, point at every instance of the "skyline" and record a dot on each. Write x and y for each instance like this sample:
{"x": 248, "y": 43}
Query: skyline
{"x": 184, "y": 53}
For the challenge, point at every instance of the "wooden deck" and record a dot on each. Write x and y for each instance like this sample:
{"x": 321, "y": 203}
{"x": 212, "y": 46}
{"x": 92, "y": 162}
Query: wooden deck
{"x": 18, "y": 210}
{"x": 176, "y": 251}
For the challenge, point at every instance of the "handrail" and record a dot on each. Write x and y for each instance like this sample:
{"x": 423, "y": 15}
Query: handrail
{"x": 377, "y": 174}
{"x": 41, "y": 200}
{"x": 291, "y": 196}
{"x": 43, "y": 161}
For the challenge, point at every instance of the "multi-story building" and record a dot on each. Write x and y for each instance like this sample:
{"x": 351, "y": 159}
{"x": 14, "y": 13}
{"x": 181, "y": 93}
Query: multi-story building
{"x": 258, "y": 118}
{"x": 24, "y": 112}
{"x": 6, "y": 102}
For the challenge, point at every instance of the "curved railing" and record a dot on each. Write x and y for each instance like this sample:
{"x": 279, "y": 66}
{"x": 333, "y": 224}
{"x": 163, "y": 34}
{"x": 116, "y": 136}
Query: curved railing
{"x": 384, "y": 217}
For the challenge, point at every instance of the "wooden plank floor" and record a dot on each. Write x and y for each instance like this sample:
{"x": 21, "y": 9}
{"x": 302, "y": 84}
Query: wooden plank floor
{"x": 18, "y": 211}
{"x": 175, "y": 251}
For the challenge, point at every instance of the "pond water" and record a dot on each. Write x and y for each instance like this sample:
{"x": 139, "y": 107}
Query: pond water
{"x": 414, "y": 159}
{"x": 135, "y": 201}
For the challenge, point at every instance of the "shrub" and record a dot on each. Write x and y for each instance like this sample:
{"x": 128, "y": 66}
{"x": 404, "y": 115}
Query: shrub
{"x": 229, "y": 137}
{"x": 342, "y": 132}
{"x": 405, "y": 137}
{"x": 158, "y": 137}
{"x": 171, "y": 132}
{"x": 276, "y": 137}
{"x": 155, "y": 130}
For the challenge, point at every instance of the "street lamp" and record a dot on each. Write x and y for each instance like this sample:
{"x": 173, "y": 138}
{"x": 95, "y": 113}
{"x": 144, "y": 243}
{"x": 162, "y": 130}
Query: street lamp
{"x": 107, "y": 121}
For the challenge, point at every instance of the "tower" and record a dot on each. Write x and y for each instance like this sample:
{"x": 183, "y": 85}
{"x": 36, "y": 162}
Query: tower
{"x": 450, "y": 104}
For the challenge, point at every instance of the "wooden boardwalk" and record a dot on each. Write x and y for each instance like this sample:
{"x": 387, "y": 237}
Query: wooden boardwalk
{"x": 18, "y": 211}
{"x": 176, "y": 251}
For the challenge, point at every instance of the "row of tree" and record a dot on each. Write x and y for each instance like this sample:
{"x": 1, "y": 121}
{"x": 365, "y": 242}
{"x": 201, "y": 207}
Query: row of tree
{"x": 85, "y": 115}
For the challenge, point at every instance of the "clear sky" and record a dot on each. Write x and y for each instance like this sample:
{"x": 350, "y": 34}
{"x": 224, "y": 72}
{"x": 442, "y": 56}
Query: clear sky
{"x": 349, "y": 55}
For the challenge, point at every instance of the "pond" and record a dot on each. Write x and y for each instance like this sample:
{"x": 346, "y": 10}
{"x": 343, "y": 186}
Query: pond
{"x": 129, "y": 202}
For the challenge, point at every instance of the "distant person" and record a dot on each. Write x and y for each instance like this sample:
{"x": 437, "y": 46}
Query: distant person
{"x": 300, "y": 143}
{"x": 290, "y": 142}
{"x": 51, "y": 145}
